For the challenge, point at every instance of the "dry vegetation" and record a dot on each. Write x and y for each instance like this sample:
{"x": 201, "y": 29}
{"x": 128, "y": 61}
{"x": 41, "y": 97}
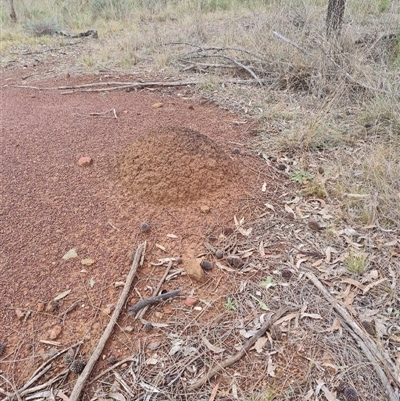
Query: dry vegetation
{"x": 328, "y": 111}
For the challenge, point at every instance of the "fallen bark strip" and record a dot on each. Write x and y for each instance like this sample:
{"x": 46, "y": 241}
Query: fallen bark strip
{"x": 76, "y": 392}
{"x": 153, "y": 300}
{"x": 156, "y": 291}
{"x": 369, "y": 347}
{"x": 247, "y": 345}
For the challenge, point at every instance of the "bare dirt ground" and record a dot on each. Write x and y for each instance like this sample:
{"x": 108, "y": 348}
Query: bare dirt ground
{"x": 169, "y": 158}
{"x": 50, "y": 204}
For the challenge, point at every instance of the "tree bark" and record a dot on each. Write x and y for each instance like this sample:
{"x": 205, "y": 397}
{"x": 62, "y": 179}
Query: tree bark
{"x": 13, "y": 14}
{"x": 334, "y": 17}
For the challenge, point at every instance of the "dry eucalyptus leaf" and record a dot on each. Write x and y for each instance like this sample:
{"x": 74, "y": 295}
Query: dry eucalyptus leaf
{"x": 62, "y": 295}
{"x": 173, "y": 236}
{"x": 311, "y": 315}
{"x": 335, "y": 326}
{"x": 371, "y": 276}
{"x": 372, "y": 285}
{"x": 260, "y": 344}
{"x": 261, "y": 249}
{"x": 328, "y": 395}
{"x": 161, "y": 247}
{"x": 290, "y": 211}
{"x": 211, "y": 347}
{"x": 269, "y": 206}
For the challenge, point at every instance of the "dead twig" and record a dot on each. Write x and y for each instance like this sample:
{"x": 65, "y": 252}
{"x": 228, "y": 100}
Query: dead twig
{"x": 305, "y": 52}
{"x": 128, "y": 359}
{"x": 39, "y": 372}
{"x": 234, "y": 61}
{"x": 236, "y": 49}
{"x": 246, "y": 346}
{"x": 107, "y": 332}
{"x": 365, "y": 343}
{"x": 156, "y": 291}
{"x": 153, "y": 300}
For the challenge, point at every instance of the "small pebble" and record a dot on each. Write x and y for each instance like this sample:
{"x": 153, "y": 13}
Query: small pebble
{"x": 112, "y": 360}
{"x": 286, "y": 273}
{"x": 85, "y": 161}
{"x": 147, "y": 327}
{"x": 235, "y": 261}
{"x": 190, "y": 301}
{"x": 145, "y": 227}
{"x": 281, "y": 167}
{"x": 206, "y": 264}
{"x": 314, "y": 225}
{"x": 2, "y": 348}
{"x": 235, "y": 151}
{"x": 219, "y": 254}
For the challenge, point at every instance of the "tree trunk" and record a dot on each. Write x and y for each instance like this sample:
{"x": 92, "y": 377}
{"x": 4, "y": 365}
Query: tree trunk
{"x": 13, "y": 15}
{"x": 334, "y": 17}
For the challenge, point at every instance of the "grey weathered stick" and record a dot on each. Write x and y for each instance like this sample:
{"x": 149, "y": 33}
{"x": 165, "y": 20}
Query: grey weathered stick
{"x": 76, "y": 392}
{"x": 247, "y": 345}
{"x": 293, "y": 44}
{"x": 153, "y": 300}
{"x": 369, "y": 348}
{"x": 156, "y": 291}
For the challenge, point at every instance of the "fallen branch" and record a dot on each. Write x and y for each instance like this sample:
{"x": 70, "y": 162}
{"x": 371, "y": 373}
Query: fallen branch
{"x": 153, "y": 300}
{"x": 76, "y": 392}
{"x": 234, "y": 61}
{"x": 156, "y": 291}
{"x": 247, "y": 345}
{"x": 236, "y": 49}
{"x": 293, "y": 44}
{"x": 369, "y": 348}
{"x": 132, "y": 85}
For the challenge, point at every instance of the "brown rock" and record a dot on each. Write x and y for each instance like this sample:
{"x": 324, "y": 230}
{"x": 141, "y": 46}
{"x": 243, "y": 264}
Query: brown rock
{"x": 156, "y": 105}
{"x": 85, "y": 161}
{"x": 87, "y": 262}
{"x": 204, "y": 209}
{"x": 40, "y": 307}
{"x": 190, "y": 301}
{"x": 194, "y": 271}
{"x": 54, "y": 332}
{"x": 19, "y": 314}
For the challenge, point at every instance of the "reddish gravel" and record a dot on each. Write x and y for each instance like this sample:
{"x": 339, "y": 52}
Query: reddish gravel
{"x": 50, "y": 204}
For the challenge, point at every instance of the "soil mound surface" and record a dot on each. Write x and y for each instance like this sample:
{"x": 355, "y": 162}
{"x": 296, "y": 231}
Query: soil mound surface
{"x": 177, "y": 166}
